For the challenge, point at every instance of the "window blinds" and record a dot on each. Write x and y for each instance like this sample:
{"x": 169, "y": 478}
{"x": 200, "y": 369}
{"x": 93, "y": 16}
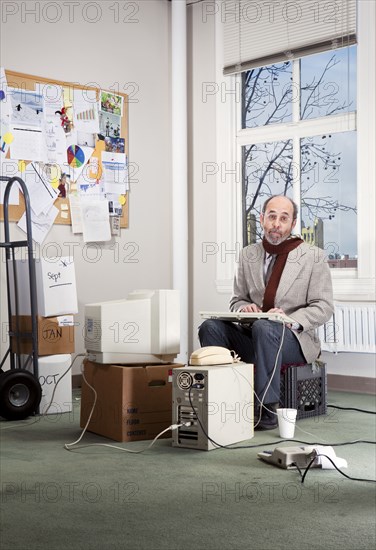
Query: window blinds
{"x": 262, "y": 32}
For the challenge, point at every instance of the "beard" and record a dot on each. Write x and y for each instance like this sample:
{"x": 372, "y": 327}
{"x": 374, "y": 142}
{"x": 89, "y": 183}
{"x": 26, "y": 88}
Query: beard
{"x": 275, "y": 237}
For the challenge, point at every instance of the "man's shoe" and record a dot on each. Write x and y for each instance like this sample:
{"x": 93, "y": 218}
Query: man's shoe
{"x": 268, "y": 419}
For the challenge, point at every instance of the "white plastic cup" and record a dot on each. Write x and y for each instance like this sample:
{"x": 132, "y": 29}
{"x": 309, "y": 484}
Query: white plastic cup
{"x": 286, "y": 422}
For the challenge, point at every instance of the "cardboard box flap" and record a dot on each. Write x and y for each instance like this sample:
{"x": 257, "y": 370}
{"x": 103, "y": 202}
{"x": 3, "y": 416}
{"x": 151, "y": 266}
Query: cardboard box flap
{"x": 156, "y": 375}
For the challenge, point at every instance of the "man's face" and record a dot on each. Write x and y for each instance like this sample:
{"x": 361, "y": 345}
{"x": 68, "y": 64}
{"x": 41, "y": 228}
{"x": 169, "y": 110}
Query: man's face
{"x": 278, "y": 222}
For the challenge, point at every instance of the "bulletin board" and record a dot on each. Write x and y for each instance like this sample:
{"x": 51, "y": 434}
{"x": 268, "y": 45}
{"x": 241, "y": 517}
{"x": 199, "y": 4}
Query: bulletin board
{"x": 23, "y": 81}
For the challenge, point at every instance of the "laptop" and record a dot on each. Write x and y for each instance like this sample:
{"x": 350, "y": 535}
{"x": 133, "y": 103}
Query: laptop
{"x": 246, "y": 317}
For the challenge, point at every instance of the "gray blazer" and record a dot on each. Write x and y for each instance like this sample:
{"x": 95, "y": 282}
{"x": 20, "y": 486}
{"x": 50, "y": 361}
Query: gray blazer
{"x": 304, "y": 292}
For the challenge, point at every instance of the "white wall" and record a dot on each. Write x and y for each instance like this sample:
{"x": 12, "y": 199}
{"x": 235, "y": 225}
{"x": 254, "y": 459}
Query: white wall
{"x": 135, "y": 52}
{"x": 351, "y": 364}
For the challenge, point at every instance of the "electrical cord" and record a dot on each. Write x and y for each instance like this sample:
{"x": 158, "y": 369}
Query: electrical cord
{"x": 338, "y": 444}
{"x": 298, "y": 468}
{"x": 196, "y": 417}
{"x": 270, "y": 411}
{"x": 69, "y": 446}
{"x": 336, "y": 467}
{"x": 271, "y": 378}
{"x": 260, "y": 401}
{"x": 351, "y": 409}
{"x": 61, "y": 377}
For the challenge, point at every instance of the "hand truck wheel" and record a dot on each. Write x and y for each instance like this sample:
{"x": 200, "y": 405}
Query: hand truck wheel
{"x": 20, "y": 394}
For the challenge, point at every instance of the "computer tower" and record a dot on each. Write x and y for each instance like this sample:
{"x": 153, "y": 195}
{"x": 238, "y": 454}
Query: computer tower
{"x": 217, "y": 401}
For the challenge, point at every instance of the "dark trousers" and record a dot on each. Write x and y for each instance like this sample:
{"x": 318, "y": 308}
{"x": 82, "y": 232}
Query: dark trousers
{"x": 258, "y": 344}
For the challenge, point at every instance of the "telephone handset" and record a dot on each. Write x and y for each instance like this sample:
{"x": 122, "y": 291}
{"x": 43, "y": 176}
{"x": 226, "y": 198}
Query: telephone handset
{"x": 213, "y": 355}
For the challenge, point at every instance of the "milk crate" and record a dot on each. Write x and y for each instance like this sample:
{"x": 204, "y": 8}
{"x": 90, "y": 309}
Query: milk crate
{"x": 304, "y": 388}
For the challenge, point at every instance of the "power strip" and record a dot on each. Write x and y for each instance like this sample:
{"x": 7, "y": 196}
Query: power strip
{"x": 289, "y": 457}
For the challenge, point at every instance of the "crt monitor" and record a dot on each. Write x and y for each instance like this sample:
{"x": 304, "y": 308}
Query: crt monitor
{"x": 143, "y": 328}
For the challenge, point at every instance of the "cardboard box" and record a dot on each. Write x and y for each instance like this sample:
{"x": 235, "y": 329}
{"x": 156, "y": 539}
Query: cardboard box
{"x": 50, "y": 370}
{"x": 55, "y": 336}
{"x": 133, "y": 402}
{"x": 56, "y": 287}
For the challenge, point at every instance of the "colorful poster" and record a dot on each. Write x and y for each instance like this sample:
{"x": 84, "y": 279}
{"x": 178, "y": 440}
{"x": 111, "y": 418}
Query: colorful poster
{"x": 112, "y": 103}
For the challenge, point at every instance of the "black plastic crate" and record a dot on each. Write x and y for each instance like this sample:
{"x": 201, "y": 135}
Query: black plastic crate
{"x": 304, "y": 388}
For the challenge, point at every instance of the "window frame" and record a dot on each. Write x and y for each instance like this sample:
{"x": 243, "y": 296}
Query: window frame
{"x": 349, "y": 284}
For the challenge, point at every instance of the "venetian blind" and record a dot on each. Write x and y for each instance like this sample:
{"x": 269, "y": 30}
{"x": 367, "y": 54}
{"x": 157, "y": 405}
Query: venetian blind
{"x": 262, "y": 32}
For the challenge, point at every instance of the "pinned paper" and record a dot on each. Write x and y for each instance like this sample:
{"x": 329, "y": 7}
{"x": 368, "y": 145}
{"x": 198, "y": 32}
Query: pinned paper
{"x": 75, "y": 210}
{"x": 115, "y": 172}
{"x": 95, "y": 165}
{"x": 115, "y": 225}
{"x": 41, "y": 194}
{"x": 77, "y": 159}
{"x": 112, "y": 103}
{"x": 41, "y": 224}
{"x": 85, "y": 111}
{"x": 55, "y": 136}
{"x": 95, "y": 221}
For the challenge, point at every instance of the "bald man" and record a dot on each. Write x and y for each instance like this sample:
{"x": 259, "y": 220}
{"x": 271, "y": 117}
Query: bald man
{"x": 280, "y": 274}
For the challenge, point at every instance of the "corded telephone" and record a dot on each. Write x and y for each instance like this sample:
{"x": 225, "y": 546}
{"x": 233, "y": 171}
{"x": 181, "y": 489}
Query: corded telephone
{"x": 213, "y": 355}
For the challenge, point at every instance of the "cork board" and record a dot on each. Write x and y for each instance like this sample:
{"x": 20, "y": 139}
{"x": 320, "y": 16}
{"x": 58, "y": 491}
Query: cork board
{"x": 22, "y": 81}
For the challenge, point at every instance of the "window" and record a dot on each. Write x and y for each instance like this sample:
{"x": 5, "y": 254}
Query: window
{"x": 352, "y": 283}
{"x": 308, "y": 102}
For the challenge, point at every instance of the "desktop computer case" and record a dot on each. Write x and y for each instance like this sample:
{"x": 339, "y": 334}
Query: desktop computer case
{"x": 218, "y": 402}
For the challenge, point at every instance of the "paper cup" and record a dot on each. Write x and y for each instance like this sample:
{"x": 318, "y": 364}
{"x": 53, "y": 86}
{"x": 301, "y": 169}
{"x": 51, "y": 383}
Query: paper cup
{"x": 286, "y": 422}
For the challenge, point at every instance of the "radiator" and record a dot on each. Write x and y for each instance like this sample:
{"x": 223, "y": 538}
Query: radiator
{"x": 352, "y": 328}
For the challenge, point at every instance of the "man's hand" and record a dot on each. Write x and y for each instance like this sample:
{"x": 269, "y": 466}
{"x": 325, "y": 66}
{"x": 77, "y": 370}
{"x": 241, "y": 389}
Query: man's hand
{"x": 279, "y": 310}
{"x": 276, "y": 310}
{"x": 251, "y": 308}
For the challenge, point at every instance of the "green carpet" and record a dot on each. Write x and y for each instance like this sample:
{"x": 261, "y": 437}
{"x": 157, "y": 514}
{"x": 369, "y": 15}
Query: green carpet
{"x": 168, "y": 498}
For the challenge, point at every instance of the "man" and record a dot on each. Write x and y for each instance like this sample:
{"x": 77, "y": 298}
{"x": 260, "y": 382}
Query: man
{"x": 281, "y": 274}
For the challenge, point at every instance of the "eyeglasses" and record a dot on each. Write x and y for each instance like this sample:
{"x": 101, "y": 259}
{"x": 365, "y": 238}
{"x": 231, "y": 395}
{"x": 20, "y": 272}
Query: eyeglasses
{"x": 273, "y": 218}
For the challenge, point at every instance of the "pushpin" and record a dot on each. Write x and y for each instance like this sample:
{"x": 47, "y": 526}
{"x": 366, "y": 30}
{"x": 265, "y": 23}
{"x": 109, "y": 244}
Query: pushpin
{"x": 21, "y": 166}
{"x": 55, "y": 175}
{"x": 122, "y": 200}
{"x": 7, "y": 139}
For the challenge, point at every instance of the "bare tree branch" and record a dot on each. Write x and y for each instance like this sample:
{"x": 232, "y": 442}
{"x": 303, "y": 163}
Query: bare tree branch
{"x": 264, "y": 164}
